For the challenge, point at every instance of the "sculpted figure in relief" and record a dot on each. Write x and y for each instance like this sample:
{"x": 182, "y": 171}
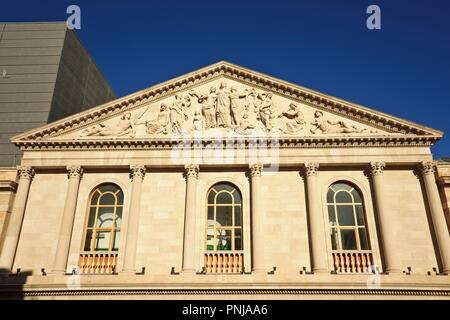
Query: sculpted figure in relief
{"x": 251, "y": 100}
{"x": 244, "y": 126}
{"x": 208, "y": 103}
{"x": 178, "y": 113}
{"x": 223, "y": 106}
{"x": 236, "y": 109}
{"x": 124, "y": 126}
{"x": 294, "y": 119}
{"x": 160, "y": 124}
{"x": 266, "y": 111}
{"x": 326, "y": 126}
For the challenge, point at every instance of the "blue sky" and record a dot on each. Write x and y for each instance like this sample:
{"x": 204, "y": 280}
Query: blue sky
{"x": 402, "y": 69}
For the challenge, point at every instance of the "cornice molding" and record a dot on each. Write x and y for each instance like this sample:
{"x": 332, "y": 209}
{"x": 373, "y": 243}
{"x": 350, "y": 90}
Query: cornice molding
{"x": 320, "y": 101}
{"x": 241, "y": 142}
{"x": 128, "y": 292}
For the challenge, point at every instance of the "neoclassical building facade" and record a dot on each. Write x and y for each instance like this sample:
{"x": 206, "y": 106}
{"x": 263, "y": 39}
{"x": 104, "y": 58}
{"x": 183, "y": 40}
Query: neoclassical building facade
{"x": 226, "y": 183}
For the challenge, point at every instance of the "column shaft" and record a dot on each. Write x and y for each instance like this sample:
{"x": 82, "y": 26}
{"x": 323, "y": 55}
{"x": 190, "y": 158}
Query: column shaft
{"x": 189, "y": 218}
{"x": 65, "y": 231}
{"x": 129, "y": 259}
{"x": 437, "y": 214}
{"x": 316, "y": 223}
{"x": 257, "y": 220}
{"x": 11, "y": 241}
{"x": 386, "y": 225}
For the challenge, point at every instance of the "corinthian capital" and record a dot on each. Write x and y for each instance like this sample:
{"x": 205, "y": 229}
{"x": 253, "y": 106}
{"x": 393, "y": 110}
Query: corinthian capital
{"x": 427, "y": 167}
{"x": 191, "y": 170}
{"x": 74, "y": 172}
{"x": 137, "y": 171}
{"x": 311, "y": 168}
{"x": 377, "y": 168}
{"x": 25, "y": 172}
{"x": 256, "y": 169}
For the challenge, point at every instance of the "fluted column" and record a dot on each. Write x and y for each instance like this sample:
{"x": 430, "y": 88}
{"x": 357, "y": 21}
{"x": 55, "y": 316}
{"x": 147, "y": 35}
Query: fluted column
{"x": 386, "y": 224}
{"x": 316, "y": 223}
{"x": 11, "y": 241}
{"x": 437, "y": 214}
{"x": 65, "y": 231}
{"x": 257, "y": 219}
{"x": 137, "y": 176}
{"x": 191, "y": 174}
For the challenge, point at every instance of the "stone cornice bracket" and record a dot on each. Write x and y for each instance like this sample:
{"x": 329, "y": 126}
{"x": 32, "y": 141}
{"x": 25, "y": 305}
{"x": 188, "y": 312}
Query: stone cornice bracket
{"x": 25, "y": 172}
{"x": 256, "y": 170}
{"x": 311, "y": 168}
{"x": 137, "y": 171}
{"x": 74, "y": 172}
{"x": 377, "y": 168}
{"x": 427, "y": 167}
{"x": 191, "y": 171}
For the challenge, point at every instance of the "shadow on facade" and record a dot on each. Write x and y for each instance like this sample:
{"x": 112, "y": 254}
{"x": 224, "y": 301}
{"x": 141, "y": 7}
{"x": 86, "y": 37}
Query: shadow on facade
{"x": 12, "y": 284}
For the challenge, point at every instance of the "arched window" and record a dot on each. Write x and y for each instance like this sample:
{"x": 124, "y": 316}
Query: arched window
{"x": 104, "y": 219}
{"x": 224, "y": 215}
{"x": 347, "y": 219}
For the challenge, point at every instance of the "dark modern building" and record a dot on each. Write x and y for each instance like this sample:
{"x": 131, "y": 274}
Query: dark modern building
{"x": 45, "y": 74}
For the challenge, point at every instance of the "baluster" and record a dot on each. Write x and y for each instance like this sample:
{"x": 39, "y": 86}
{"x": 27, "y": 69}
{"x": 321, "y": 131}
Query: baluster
{"x": 336, "y": 262}
{"x": 359, "y": 267}
{"x": 232, "y": 262}
{"x": 365, "y": 263}
{"x": 241, "y": 262}
{"x": 347, "y": 262}
{"x": 210, "y": 259}
{"x": 352, "y": 263}
{"x": 91, "y": 263}
{"x": 215, "y": 263}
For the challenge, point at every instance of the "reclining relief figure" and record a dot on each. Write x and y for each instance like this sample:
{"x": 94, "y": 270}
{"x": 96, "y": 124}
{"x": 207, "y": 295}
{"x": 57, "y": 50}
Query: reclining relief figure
{"x": 326, "y": 126}
{"x": 123, "y": 127}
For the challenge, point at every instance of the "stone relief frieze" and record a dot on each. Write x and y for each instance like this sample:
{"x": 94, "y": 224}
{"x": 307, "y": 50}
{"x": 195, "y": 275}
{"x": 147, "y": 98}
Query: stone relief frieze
{"x": 236, "y": 109}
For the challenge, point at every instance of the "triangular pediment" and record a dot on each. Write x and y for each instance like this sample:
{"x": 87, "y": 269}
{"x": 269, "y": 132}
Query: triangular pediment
{"x": 224, "y": 100}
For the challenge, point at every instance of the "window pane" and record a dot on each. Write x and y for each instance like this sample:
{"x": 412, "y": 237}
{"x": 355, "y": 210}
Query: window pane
{"x": 224, "y": 186}
{"x": 343, "y": 197}
{"x": 223, "y": 239}
{"x": 224, "y": 216}
{"x": 105, "y": 217}
{"x": 102, "y": 241}
{"x": 95, "y": 197}
{"x": 109, "y": 187}
{"x": 224, "y": 198}
{"x": 363, "y": 239}
{"x": 334, "y": 245}
{"x": 237, "y": 197}
{"x": 87, "y": 241}
{"x": 342, "y": 186}
{"x": 331, "y": 215}
{"x": 116, "y": 241}
{"x": 348, "y": 239}
{"x": 237, "y": 216}
{"x": 210, "y": 240}
{"x": 211, "y": 196}
{"x": 210, "y": 216}
{"x": 107, "y": 199}
{"x": 345, "y": 215}
{"x": 91, "y": 217}
{"x": 119, "y": 197}
{"x": 119, "y": 217}
{"x": 359, "y": 215}
{"x": 330, "y": 196}
{"x": 237, "y": 239}
{"x": 356, "y": 196}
